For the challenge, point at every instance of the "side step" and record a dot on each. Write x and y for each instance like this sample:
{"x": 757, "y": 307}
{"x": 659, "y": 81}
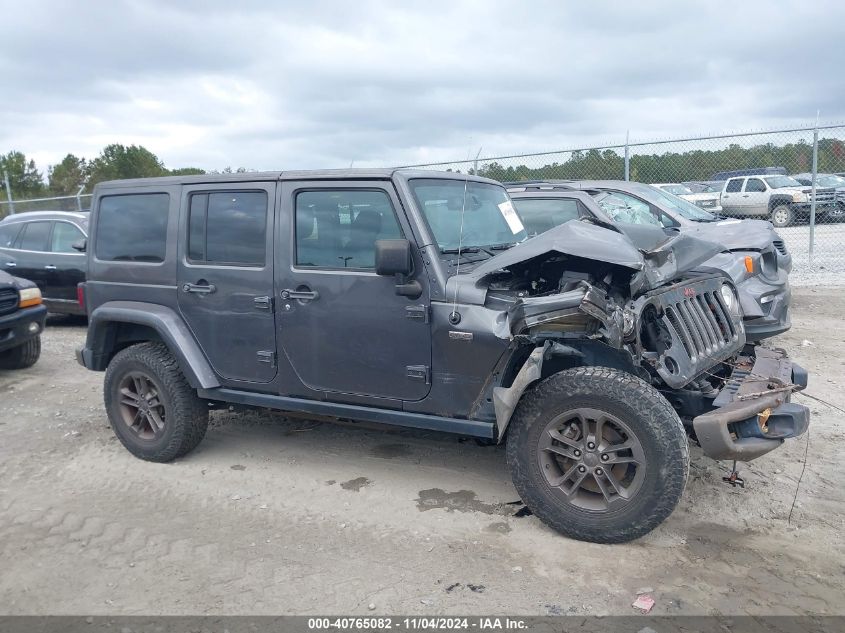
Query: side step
{"x": 472, "y": 428}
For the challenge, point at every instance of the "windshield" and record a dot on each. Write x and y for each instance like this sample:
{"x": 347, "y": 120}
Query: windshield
{"x": 779, "y": 182}
{"x": 682, "y": 207}
{"x": 678, "y": 190}
{"x": 830, "y": 181}
{"x": 626, "y": 209}
{"x": 489, "y": 217}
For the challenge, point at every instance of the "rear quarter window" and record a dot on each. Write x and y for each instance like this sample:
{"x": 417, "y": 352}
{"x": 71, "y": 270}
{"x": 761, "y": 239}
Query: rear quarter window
{"x": 132, "y": 228}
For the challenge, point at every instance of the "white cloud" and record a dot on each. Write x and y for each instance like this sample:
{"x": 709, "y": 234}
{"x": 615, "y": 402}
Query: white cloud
{"x": 323, "y": 84}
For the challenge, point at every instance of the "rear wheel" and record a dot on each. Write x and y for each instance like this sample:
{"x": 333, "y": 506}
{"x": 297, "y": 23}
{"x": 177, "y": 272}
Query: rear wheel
{"x": 782, "y": 216}
{"x": 153, "y": 410}
{"x": 598, "y": 454}
{"x": 22, "y": 356}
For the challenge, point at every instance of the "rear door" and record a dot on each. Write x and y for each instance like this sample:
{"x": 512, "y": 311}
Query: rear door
{"x": 29, "y": 252}
{"x": 68, "y": 264}
{"x": 755, "y": 197}
{"x": 732, "y": 200}
{"x": 226, "y": 276}
{"x": 343, "y": 327}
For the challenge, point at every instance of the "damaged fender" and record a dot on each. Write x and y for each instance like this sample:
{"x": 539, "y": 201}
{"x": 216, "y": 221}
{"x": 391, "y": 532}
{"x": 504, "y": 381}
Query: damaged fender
{"x": 505, "y": 399}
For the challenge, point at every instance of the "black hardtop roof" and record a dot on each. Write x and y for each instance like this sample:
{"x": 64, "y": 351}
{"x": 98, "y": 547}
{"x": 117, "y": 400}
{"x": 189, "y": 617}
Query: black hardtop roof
{"x": 315, "y": 174}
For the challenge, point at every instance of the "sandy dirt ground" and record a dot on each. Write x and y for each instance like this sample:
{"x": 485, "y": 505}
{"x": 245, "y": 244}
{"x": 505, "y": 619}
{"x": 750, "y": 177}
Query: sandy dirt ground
{"x": 272, "y": 515}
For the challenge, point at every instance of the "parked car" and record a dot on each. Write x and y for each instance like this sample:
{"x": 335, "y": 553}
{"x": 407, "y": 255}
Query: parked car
{"x": 827, "y": 182}
{"x": 705, "y": 186}
{"x": 414, "y": 298}
{"x": 756, "y": 257}
{"x": 22, "y": 318}
{"x": 751, "y": 171}
{"x": 781, "y": 199}
{"x": 47, "y": 247}
{"x": 708, "y": 200}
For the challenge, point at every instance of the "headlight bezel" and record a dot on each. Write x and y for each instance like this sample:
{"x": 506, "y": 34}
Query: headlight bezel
{"x": 730, "y": 299}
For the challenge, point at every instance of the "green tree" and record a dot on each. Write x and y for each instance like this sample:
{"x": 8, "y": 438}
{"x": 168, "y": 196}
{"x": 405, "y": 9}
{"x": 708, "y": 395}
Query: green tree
{"x": 68, "y": 176}
{"x": 187, "y": 171}
{"x": 24, "y": 178}
{"x": 119, "y": 161}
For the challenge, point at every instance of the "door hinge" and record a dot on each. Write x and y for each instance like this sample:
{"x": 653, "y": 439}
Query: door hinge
{"x": 417, "y": 312}
{"x": 265, "y": 356}
{"x": 419, "y": 372}
{"x": 264, "y": 303}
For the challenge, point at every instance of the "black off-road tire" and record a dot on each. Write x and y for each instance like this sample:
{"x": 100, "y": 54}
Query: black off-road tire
{"x": 782, "y": 216}
{"x": 186, "y": 415}
{"x": 654, "y": 423}
{"x": 22, "y": 356}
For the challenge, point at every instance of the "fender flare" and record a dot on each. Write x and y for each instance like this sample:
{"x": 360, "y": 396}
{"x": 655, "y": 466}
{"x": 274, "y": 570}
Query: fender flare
{"x": 777, "y": 200}
{"x": 505, "y": 399}
{"x": 165, "y": 321}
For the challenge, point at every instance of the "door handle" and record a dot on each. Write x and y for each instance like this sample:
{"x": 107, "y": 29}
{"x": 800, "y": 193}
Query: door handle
{"x": 200, "y": 290}
{"x": 49, "y": 267}
{"x": 745, "y": 195}
{"x": 11, "y": 264}
{"x": 301, "y": 295}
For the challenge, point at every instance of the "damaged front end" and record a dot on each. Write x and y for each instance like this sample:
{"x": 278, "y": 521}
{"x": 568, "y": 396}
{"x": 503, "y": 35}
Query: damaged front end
{"x": 651, "y": 315}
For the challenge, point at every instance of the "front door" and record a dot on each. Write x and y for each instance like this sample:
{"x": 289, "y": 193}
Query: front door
{"x": 343, "y": 327}
{"x": 226, "y": 277}
{"x": 68, "y": 264}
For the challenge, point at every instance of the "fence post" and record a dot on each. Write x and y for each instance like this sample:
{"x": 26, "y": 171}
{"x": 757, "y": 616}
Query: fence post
{"x": 813, "y": 193}
{"x": 8, "y": 192}
{"x": 79, "y": 198}
{"x": 627, "y": 157}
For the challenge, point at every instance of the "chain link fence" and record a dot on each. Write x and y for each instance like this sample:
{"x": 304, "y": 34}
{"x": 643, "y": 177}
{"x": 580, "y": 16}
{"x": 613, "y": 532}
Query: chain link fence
{"x": 55, "y": 203}
{"x": 798, "y": 181}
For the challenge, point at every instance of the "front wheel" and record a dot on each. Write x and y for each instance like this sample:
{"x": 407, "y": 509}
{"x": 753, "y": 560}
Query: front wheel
{"x": 22, "y": 356}
{"x": 598, "y": 454}
{"x": 782, "y": 216}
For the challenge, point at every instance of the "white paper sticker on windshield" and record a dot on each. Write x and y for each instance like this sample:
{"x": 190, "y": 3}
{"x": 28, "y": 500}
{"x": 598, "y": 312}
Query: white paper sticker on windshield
{"x": 509, "y": 213}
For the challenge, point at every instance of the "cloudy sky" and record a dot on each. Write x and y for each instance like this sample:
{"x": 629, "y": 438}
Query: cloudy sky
{"x": 322, "y": 84}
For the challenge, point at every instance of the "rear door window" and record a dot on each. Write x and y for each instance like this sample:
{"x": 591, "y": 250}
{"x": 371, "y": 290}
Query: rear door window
{"x": 34, "y": 236}
{"x": 8, "y": 234}
{"x": 228, "y": 228}
{"x": 133, "y": 228}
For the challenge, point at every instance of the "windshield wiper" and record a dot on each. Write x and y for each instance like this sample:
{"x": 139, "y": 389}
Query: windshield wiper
{"x": 462, "y": 250}
{"x": 502, "y": 247}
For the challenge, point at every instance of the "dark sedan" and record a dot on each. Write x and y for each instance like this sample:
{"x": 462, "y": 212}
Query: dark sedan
{"x": 47, "y": 247}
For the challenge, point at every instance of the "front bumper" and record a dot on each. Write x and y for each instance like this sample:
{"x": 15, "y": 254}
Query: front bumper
{"x": 753, "y": 414}
{"x": 772, "y": 315}
{"x": 17, "y": 328}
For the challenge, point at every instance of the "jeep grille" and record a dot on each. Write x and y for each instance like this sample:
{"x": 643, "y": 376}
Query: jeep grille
{"x": 8, "y": 300}
{"x": 701, "y": 331}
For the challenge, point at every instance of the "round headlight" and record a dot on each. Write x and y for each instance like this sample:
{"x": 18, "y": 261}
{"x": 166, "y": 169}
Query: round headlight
{"x": 729, "y": 298}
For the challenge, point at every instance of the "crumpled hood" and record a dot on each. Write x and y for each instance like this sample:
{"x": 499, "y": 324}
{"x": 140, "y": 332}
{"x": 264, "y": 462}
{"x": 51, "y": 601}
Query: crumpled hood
{"x": 735, "y": 235}
{"x": 662, "y": 261}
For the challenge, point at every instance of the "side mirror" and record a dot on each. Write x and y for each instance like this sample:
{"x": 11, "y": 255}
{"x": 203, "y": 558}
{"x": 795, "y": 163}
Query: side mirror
{"x": 80, "y": 245}
{"x": 393, "y": 257}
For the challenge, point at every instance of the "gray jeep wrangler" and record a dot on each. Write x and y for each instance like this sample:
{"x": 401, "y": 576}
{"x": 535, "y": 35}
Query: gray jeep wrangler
{"x": 414, "y": 298}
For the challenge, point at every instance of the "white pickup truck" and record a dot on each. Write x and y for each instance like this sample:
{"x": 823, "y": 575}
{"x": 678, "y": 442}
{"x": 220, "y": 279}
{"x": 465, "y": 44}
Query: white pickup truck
{"x": 781, "y": 199}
